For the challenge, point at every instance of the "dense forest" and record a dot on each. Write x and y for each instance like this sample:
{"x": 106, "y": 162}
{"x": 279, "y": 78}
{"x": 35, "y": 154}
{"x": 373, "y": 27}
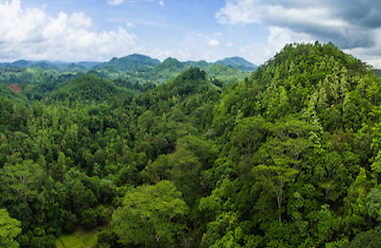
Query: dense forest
{"x": 146, "y": 153}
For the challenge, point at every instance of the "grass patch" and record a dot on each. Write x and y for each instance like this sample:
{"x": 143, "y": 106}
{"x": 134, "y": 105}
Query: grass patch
{"x": 79, "y": 239}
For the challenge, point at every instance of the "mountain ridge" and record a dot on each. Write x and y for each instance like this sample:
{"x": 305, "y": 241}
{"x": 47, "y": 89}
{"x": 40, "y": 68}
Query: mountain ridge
{"x": 131, "y": 62}
{"x": 237, "y": 63}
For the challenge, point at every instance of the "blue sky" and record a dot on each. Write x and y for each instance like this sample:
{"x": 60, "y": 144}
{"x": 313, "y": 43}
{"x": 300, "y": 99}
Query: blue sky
{"x": 78, "y": 30}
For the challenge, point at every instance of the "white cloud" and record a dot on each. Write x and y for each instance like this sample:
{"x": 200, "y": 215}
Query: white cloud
{"x": 181, "y": 54}
{"x": 235, "y": 12}
{"x": 262, "y": 12}
{"x": 33, "y": 34}
{"x": 279, "y": 37}
{"x": 213, "y": 43}
{"x": 351, "y": 24}
{"x": 115, "y": 2}
{"x": 119, "y": 2}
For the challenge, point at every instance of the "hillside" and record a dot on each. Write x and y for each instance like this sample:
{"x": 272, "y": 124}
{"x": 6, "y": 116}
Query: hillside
{"x": 296, "y": 137}
{"x": 237, "y": 63}
{"x": 134, "y": 62}
{"x": 86, "y": 87}
{"x": 170, "y": 65}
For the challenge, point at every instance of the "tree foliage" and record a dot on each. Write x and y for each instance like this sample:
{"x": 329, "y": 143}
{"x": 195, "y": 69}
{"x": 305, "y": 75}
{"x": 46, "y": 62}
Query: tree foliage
{"x": 151, "y": 216}
{"x": 9, "y": 229}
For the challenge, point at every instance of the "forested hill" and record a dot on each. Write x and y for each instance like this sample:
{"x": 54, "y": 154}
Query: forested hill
{"x": 133, "y": 69}
{"x": 288, "y": 156}
{"x": 238, "y": 63}
{"x": 134, "y": 62}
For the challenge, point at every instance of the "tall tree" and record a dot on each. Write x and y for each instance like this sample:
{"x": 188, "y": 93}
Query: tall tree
{"x": 275, "y": 179}
{"x": 151, "y": 216}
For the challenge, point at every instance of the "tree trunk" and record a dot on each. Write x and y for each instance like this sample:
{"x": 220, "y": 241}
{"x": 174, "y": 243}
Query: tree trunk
{"x": 279, "y": 200}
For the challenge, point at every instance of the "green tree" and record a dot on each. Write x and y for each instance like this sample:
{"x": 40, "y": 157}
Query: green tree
{"x": 369, "y": 239}
{"x": 275, "y": 179}
{"x": 373, "y": 203}
{"x": 151, "y": 216}
{"x": 9, "y": 230}
{"x": 249, "y": 134}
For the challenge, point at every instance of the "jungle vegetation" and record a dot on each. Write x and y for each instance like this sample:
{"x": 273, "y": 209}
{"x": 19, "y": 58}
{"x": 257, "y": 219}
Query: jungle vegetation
{"x": 179, "y": 155}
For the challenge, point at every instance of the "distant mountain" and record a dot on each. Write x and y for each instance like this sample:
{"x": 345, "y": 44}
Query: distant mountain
{"x": 200, "y": 64}
{"x": 237, "y": 63}
{"x": 377, "y": 72}
{"x": 28, "y": 63}
{"x": 72, "y": 67}
{"x": 88, "y": 64}
{"x": 49, "y": 65}
{"x": 170, "y": 65}
{"x": 134, "y": 62}
{"x": 22, "y": 63}
{"x": 44, "y": 65}
{"x": 5, "y": 64}
{"x": 142, "y": 67}
{"x": 143, "y": 63}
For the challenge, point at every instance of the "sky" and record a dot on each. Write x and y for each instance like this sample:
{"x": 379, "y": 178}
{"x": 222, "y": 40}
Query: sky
{"x": 98, "y": 30}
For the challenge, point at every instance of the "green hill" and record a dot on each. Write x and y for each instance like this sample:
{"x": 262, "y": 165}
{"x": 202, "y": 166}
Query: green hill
{"x": 134, "y": 62}
{"x": 170, "y": 65}
{"x": 302, "y": 127}
{"x": 299, "y": 74}
{"x": 202, "y": 64}
{"x": 88, "y": 87}
{"x": 237, "y": 63}
{"x": 190, "y": 81}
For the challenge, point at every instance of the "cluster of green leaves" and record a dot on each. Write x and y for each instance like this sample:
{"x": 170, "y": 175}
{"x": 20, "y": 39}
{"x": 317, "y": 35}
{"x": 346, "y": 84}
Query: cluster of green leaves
{"x": 9, "y": 229}
{"x": 151, "y": 215}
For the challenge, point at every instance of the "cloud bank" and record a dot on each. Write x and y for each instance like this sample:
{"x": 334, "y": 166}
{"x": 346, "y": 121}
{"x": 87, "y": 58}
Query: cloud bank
{"x": 33, "y": 34}
{"x": 352, "y": 25}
